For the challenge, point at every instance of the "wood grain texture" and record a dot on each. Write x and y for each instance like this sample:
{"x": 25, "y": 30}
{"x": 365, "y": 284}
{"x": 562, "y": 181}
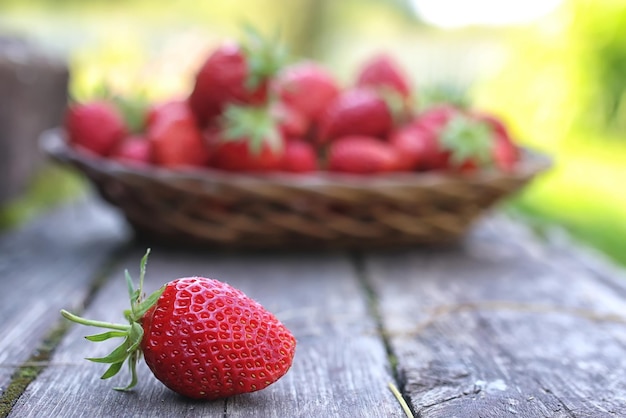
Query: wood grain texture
{"x": 45, "y": 266}
{"x": 340, "y": 369}
{"x": 504, "y": 326}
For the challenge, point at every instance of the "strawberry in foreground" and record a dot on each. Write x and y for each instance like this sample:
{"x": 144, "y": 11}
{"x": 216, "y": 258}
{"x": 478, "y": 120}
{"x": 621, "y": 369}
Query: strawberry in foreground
{"x": 200, "y": 337}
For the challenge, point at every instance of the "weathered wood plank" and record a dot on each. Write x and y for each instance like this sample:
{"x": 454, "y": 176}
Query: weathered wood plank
{"x": 340, "y": 370}
{"x": 503, "y": 326}
{"x": 47, "y": 265}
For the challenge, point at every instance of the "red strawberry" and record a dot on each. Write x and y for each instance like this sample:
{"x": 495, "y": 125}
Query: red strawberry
{"x": 291, "y": 123}
{"x": 417, "y": 148}
{"x": 95, "y": 126}
{"x": 248, "y": 140}
{"x": 299, "y": 157}
{"x": 361, "y": 155}
{"x": 473, "y": 144}
{"x": 380, "y": 72}
{"x": 495, "y": 122}
{"x": 356, "y": 112}
{"x": 236, "y": 73}
{"x": 158, "y": 110}
{"x": 307, "y": 88}
{"x": 435, "y": 118}
{"x": 133, "y": 150}
{"x": 201, "y": 338}
{"x": 237, "y": 155}
{"x": 505, "y": 153}
{"x": 176, "y": 140}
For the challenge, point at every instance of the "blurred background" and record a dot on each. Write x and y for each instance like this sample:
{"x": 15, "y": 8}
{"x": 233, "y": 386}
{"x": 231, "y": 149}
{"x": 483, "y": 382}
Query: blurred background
{"x": 554, "y": 70}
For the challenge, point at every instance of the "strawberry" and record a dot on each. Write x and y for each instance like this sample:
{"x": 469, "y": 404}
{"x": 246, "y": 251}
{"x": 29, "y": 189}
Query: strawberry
{"x": 200, "y": 337}
{"x": 382, "y": 72}
{"x": 306, "y": 87}
{"x": 248, "y": 140}
{"x": 95, "y": 126}
{"x": 291, "y": 123}
{"x": 474, "y": 144}
{"x": 436, "y": 117}
{"x": 417, "y": 148}
{"x": 356, "y": 112}
{"x": 299, "y": 157}
{"x": 133, "y": 150}
{"x": 158, "y": 110}
{"x": 505, "y": 153}
{"x": 235, "y": 73}
{"x": 496, "y": 124}
{"x": 361, "y": 155}
{"x": 175, "y": 138}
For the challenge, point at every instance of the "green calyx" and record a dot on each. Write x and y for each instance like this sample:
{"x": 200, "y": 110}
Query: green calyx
{"x": 265, "y": 57}
{"x": 444, "y": 94}
{"x": 254, "y": 124}
{"x": 468, "y": 140}
{"x": 132, "y": 333}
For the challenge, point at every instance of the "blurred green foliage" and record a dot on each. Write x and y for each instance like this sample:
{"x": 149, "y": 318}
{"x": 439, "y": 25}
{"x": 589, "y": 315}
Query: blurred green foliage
{"x": 563, "y": 89}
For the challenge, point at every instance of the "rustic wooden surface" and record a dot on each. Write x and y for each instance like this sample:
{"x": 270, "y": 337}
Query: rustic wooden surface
{"x": 502, "y": 325}
{"x": 48, "y": 265}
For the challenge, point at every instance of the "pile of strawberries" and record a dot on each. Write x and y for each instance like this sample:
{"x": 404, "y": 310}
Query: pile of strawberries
{"x": 247, "y": 112}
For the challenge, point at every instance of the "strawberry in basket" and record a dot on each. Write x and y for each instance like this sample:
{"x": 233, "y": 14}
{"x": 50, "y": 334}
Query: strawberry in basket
{"x": 97, "y": 126}
{"x": 236, "y": 72}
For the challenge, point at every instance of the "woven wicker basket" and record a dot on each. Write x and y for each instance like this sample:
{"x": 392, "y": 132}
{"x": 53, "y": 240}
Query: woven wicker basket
{"x": 213, "y": 208}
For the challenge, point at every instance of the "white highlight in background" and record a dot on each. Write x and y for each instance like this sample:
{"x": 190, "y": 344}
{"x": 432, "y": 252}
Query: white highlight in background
{"x": 459, "y": 13}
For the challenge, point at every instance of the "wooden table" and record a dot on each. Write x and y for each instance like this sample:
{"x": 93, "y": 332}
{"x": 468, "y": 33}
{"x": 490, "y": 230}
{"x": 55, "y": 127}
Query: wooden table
{"x": 501, "y": 325}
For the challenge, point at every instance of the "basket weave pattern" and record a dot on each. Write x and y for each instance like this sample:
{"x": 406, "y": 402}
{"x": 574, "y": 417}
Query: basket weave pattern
{"x": 282, "y": 211}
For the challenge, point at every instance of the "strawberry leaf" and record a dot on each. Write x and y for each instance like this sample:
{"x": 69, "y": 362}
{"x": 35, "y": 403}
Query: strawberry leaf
{"x": 468, "y": 140}
{"x": 145, "y": 305}
{"x": 132, "y": 364}
{"x": 265, "y": 57}
{"x": 130, "y": 349}
{"x": 134, "y": 337}
{"x": 254, "y": 124}
{"x": 112, "y": 370}
{"x": 130, "y": 285}
{"x": 105, "y": 336}
{"x": 119, "y": 354}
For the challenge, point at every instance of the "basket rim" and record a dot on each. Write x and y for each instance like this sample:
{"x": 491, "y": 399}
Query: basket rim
{"x": 54, "y": 143}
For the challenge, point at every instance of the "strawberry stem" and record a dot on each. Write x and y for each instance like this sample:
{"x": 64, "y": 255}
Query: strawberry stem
{"x": 130, "y": 349}
{"x": 93, "y": 323}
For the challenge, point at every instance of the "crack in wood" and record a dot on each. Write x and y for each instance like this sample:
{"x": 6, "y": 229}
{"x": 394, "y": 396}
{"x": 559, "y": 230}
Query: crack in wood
{"x": 503, "y": 306}
{"x": 374, "y": 310}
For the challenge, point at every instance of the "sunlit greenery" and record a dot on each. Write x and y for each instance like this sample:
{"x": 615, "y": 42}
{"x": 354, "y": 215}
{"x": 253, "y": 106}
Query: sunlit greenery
{"x": 562, "y": 89}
